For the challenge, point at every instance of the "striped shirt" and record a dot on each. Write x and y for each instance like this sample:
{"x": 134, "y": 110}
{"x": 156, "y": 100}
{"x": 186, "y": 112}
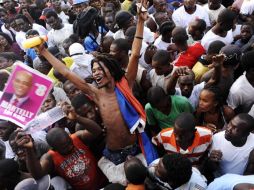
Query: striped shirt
{"x": 201, "y": 143}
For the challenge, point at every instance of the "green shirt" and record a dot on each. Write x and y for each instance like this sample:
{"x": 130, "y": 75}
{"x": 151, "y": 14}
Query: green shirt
{"x": 155, "y": 117}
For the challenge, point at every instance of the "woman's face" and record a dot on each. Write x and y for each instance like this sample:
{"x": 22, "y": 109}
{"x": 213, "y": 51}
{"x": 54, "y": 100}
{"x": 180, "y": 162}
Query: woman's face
{"x": 3, "y": 41}
{"x": 206, "y": 101}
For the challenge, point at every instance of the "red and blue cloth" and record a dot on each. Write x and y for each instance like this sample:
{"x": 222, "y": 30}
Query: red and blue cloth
{"x": 135, "y": 118}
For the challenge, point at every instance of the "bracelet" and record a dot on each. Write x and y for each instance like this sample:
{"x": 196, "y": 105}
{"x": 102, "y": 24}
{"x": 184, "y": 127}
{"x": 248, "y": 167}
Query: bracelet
{"x": 138, "y": 37}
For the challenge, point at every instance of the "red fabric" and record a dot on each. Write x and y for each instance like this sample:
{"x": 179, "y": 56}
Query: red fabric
{"x": 123, "y": 86}
{"x": 190, "y": 56}
{"x": 79, "y": 168}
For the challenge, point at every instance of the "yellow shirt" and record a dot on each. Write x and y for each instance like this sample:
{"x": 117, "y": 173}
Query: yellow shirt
{"x": 126, "y": 5}
{"x": 68, "y": 62}
{"x": 199, "y": 70}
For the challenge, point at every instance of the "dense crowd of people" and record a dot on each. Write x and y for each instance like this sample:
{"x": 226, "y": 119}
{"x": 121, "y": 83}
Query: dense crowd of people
{"x": 157, "y": 95}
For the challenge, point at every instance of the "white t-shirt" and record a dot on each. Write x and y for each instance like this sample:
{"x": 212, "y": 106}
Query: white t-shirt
{"x": 241, "y": 94}
{"x": 234, "y": 159}
{"x": 56, "y": 37}
{"x": 197, "y": 181}
{"x": 194, "y": 97}
{"x": 247, "y": 7}
{"x": 182, "y": 18}
{"x": 82, "y": 65}
{"x": 251, "y": 112}
{"x": 64, "y": 17}
{"x": 161, "y": 44}
{"x": 21, "y": 36}
{"x": 229, "y": 181}
{"x": 110, "y": 33}
{"x": 159, "y": 80}
{"x": 209, "y": 37}
{"x": 237, "y": 30}
{"x": 147, "y": 35}
{"x": 213, "y": 14}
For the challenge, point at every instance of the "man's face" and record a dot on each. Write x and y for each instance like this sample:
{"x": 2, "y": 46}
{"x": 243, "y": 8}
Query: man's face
{"x": 56, "y": 5}
{"x": 71, "y": 90}
{"x": 235, "y": 129}
{"x": 20, "y": 152}
{"x": 183, "y": 137}
{"x": 3, "y": 41}
{"x": 115, "y": 52}
{"x": 109, "y": 22}
{"x": 186, "y": 85}
{"x": 5, "y": 130}
{"x": 108, "y": 9}
{"x": 8, "y": 4}
{"x": 160, "y": 6}
{"x": 23, "y": 4}
{"x": 214, "y": 4}
{"x": 4, "y": 63}
{"x": 161, "y": 172}
{"x": 3, "y": 16}
{"x": 159, "y": 68}
{"x": 101, "y": 74}
{"x": 189, "y": 5}
{"x": 49, "y": 103}
{"x": 246, "y": 33}
{"x": 163, "y": 106}
{"x": 227, "y": 26}
{"x": 96, "y": 4}
{"x": 88, "y": 111}
{"x": 64, "y": 145}
{"x": 79, "y": 8}
{"x": 22, "y": 25}
{"x": 22, "y": 84}
{"x": 53, "y": 23}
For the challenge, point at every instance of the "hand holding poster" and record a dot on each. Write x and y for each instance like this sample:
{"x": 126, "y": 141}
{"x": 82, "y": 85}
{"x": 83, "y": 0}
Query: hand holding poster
{"x": 23, "y": 95}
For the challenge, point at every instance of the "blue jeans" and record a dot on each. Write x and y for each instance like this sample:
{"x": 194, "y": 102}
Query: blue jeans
{"x": 119, "y": 156}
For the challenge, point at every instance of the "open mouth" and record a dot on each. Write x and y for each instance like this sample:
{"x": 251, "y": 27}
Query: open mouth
{"x": 98, "y": 80}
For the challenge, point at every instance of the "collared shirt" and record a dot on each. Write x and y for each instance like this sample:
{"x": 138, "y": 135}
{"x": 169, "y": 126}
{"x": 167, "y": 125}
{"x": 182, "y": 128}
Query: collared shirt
{"x": 201, "y": 143}
{"x": 20, "y": 100}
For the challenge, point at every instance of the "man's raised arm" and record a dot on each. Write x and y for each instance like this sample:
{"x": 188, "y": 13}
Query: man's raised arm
{"x": 61, "y": 68}
{"x": 137, "y": 43}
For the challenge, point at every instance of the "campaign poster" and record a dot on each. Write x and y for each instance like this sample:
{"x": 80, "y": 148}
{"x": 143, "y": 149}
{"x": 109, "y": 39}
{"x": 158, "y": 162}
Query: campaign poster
{"x": 24, "y": 94}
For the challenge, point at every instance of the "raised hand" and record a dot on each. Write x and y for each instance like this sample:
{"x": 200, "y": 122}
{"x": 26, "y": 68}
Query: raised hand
{"x": 23, "y": 140}
{"x": 69, "y": 110}
{"x": 217, "y": 60}
{"x": 142, "y": 10}
{"x": 181, "y": 71}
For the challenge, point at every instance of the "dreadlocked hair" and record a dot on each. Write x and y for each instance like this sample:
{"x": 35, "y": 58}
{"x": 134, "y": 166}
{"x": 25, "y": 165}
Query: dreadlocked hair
{"x": 112, "y": 65}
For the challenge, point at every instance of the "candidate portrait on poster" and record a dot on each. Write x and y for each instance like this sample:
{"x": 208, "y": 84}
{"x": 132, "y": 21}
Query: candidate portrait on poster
{"x": 24, "y": 94}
